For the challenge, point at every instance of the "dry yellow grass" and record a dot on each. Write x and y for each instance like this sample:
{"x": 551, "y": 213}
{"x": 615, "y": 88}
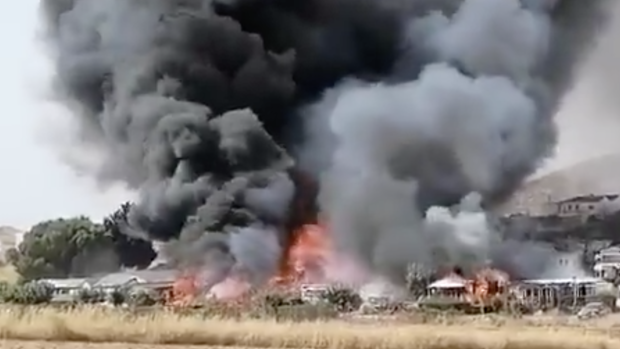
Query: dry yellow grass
{"x": 12, "y": 344}
{"x": 108, "y": 325}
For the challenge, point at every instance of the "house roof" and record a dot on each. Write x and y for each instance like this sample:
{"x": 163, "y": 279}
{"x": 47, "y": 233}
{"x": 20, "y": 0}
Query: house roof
{"x": 139, "y": 276}
{"x": 602, "y": 266}
{"x": 65, "y": 283}
{"x": 452, "y": 281}
{"x": 589, "y": 198}
{"x": 610, "y": 250}
{"x": 115, "y": 279}
{"x": 585, "y": 280}
{"x": 157, "y": 275}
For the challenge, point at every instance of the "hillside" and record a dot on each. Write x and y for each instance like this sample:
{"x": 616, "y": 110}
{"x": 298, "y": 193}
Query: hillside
{"x": 594, "y": 176}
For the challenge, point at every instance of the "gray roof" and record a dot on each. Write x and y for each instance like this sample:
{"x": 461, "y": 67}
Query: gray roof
{"x": 611, "y": 249}
{"x": 138, "y": 276}
{"x": 65, "y": 283}
{"x": 157, "y": 276}
{"x": 584, "y": 280}
{"x": 115, "y": 279}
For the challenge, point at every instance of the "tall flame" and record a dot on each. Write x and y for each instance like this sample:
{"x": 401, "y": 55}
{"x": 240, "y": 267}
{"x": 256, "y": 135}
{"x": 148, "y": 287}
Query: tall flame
{"x": 184, "y": 290}
{"x": 305, "y": 256}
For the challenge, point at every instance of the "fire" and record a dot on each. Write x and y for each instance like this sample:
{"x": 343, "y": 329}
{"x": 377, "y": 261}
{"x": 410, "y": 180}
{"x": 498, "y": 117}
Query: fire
{"x": 487, "y": 283}
{"x": 230, "y": 289}
{"x": 302, "y": 261}
{"x": 305, "y": 256}
{"x": 184, "y": 290}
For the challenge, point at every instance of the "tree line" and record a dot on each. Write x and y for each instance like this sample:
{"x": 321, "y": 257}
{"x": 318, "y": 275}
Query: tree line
{"x": 78, "y": 247}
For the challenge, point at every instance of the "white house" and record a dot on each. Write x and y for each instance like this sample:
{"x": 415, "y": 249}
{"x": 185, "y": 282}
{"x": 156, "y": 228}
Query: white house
{"x": 607, "y": 263}
{"x": 148, "y": 279}
{"x": 67, "y": 288}
{"x": 313, "y": 293}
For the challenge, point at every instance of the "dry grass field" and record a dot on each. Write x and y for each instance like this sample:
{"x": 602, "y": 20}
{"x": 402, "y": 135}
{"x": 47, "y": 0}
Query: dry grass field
{"x": 27, "y": 328}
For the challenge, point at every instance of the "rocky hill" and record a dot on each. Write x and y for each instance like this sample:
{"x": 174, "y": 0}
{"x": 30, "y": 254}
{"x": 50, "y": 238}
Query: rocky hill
{"x": 595, "y": 176}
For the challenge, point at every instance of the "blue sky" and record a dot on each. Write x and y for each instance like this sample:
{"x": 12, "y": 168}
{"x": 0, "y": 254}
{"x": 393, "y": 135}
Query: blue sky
{"x": 36, "y": 185}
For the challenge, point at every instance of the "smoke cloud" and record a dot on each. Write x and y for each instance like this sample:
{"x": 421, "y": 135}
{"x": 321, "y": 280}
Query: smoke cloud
{"x": 477, "y": 119}
{"x": 205, "y": 107}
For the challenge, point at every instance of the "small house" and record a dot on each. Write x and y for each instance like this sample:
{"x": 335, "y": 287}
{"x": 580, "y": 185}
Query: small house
{"x": 67, "y": 289}
{"x": 313, "y": 293}
{"x": 448, "y": 292}
{"x": 153, "y": 280}
{"x": 159, "y": 280}
{"x": 553, "y": 293}
{"x": 453, "y": 286}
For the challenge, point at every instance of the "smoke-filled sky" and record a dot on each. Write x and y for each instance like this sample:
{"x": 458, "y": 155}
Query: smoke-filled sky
{"x": 589, "y": 121}
{"x": 36, "y": 183}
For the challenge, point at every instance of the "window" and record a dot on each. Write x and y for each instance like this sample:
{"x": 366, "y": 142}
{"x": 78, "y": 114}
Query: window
{"x": 582, "y": 291}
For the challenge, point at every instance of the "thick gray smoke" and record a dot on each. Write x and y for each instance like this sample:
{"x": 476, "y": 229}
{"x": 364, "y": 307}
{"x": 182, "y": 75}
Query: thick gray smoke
{"x": 477, "y": 119}
{"x": 193, "y": 101}
{"x": 398, "y": 105}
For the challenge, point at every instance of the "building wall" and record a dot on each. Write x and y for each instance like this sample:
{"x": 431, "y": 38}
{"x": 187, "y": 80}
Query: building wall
{"x": 578, "y": 208}
{"x": 588, "y": 206}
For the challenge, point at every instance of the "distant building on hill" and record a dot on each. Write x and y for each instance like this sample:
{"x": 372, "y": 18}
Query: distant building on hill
{"x": 538, "y": 195}
{"x": 587, "y": 205}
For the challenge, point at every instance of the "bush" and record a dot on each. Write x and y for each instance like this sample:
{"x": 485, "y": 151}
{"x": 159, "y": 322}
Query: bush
{"x": 142, "y": 298}
{"x": 30, "y": 293}
{"x": 118, "y": 297}
{"x": 6, "y": 292}
{"x": 343, "y": 299}
{"x": 278, "y": 300}
{"x": 90, "y": 296}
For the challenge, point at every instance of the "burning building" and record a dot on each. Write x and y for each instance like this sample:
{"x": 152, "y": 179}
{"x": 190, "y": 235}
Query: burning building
{"x": 238, "y": 123}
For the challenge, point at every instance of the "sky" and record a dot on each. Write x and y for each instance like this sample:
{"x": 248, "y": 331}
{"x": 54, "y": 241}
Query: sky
{"x": 35, "y": 184}
{"x": 589, "y": 120}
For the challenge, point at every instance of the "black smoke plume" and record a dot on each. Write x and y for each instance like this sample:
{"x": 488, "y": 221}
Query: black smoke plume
{"x": 195, "y": 100}
{"x": 201, "y": 106}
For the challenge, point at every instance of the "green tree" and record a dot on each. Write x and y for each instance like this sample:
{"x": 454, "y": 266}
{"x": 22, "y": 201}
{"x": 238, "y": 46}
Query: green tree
{"x": 132, "y": 252}
{"x": 61, "y": 248}
{"x": 28, "y": 293}
{"x": 79, "y": 247}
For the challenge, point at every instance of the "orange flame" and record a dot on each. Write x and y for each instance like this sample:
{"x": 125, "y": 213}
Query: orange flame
{"x": 184, "y": 290}
{"x": 305, "y": 255}
{"x": 486, "y": 283}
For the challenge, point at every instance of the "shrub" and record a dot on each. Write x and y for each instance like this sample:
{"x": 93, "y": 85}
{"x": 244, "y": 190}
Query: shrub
{"x": 117, "y": 297}
{"x": 142, "y": 298}
{"x": 90, "y": 296}
{"x": 343, "y": 299}
{"x": 6, "y": 292}
{"x": 29, "y": 293}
